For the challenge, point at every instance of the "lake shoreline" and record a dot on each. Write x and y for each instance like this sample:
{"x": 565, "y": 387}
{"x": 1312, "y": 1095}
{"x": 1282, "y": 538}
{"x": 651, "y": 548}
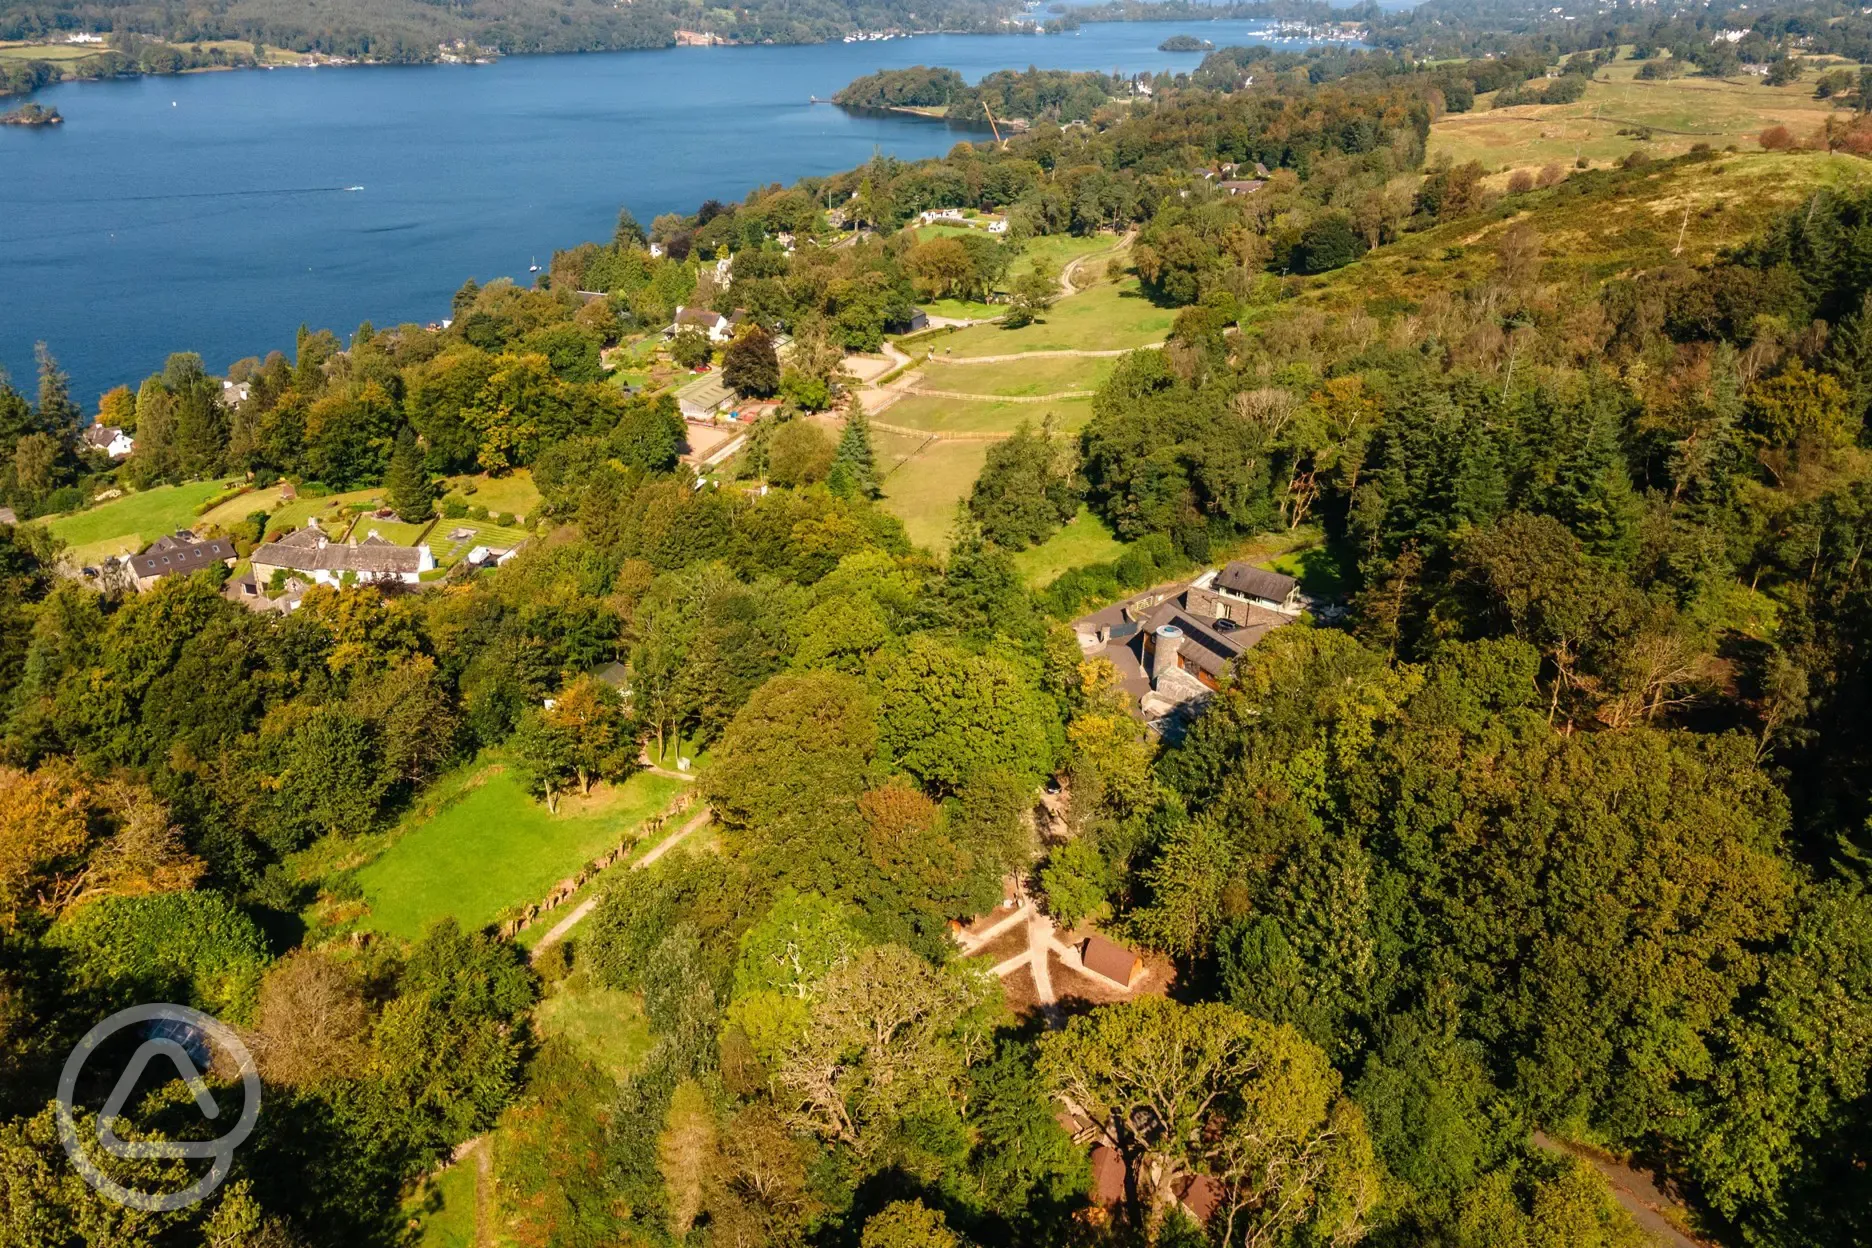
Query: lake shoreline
{"x": 492, "y": 57}
{"x": 239, "y": 229}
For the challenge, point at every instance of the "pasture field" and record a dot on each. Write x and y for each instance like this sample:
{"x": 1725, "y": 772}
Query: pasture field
{"x": 1017, "y": 378}
{"x": 132, "y": 522}
{"x": 1084, "y": 540}
{"x": 53, "y": 52}
{"x": 945, "y": 415}
{"x": 923, "y": 480}
{"x": 1678, "y": 112}
{"x": 483, "y": 844}
{"x": 1111, "y": 316}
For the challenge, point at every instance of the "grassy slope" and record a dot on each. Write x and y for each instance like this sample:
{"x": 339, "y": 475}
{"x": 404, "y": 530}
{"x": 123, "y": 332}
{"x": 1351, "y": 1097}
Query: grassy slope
{"x": 1045, "y": 375}
{"x": 1107, "y": 317}
{"x": 1087, "y": 539}
{"x": 494, "y": 847}
{"x": 1627, "y": 223}
{"x": 1716, "y": 111}
{"x": 940, "y": 415}
{"x": 133, "y": 521}
{"x": 515, "y": 493}
{"x": 922, "y": 487}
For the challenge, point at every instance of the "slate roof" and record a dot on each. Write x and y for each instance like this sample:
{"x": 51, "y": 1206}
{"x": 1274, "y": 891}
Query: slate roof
{"x": 1203, "y": 646}
{"x": 180, "y": 554}
{"x": 308, "y": 550}
{"x": 100, "y": 436}
{"x": 1237, "y": 186}
{"x": 1240, "y": 578}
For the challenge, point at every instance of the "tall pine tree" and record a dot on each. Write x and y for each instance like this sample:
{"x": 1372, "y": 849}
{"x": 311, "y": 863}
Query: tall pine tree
{"x": 58, "y": 415}
{"x": 855, "y": 463}
{"x": 411, "y": 493}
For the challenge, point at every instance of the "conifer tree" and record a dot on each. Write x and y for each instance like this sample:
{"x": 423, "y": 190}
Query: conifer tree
{"x": 58, "y": 415}
{"x": 407, "y": 484}
{"x": 855, "y": 457}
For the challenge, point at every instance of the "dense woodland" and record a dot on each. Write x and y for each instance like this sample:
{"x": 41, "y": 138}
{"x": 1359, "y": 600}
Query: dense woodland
{"x": 1561, "y": 824}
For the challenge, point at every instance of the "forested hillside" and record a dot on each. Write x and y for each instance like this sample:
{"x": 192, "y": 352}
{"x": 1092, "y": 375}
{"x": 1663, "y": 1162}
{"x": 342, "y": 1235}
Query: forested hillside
{"x": 410, "y": 30}
{"x": 1542, "y": 838}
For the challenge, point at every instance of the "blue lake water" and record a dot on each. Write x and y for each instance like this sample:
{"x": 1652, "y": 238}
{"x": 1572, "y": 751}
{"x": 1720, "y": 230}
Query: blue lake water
{"x": 207, "y": 212}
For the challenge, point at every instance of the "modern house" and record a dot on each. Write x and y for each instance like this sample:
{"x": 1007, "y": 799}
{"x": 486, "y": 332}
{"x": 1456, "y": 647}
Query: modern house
{"x": 313, "y": 557}
{"x": 113, "y": 441}
{"x": 1242, "y": 585}
{"x": 178, "y": 555}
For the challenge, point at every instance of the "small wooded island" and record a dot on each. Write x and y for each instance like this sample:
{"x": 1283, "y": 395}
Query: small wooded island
{"x": 31, "y": 115}
{"x": 1185, "y": 43}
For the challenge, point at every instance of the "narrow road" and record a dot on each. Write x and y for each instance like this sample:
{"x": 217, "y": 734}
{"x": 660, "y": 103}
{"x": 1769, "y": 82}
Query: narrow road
{"x": 1633, "y": 1190}
{"x": 565, "y": 925}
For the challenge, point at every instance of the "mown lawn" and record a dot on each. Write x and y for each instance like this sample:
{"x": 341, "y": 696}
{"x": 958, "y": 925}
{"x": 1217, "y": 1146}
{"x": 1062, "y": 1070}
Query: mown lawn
{"x": 448, "y": 552}
{"x": 922, "y": 488}
{"x": 1112, "y": 316}
{"x": 514, "y": 493}
{"x": 1044, "y": 375}
{"x": 942, "y": 415}
{"x": 494, "y": 846}
{"x": 236, "y": 510}
{"x": 332, "y": 510}
{"x": 1086, "y": 539}
{"x": 133, "y": 521}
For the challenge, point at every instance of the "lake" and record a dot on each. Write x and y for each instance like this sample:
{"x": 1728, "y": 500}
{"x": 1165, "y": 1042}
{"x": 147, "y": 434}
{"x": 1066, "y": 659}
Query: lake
{"x": 208, "y": 213}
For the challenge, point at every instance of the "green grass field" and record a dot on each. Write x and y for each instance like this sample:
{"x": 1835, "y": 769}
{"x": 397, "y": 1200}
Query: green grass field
{"x": 922, "y": 488}
{"x": 941, "y": 415}
{"x": 1086, "y": 539}
{"x": 53, "y": 52}
{"x": 493, "y": 846}
{"x": 133, "y": 521}
{"x": 606, "y": 1025}
{"x": 390, "y": 530}
{"x": 1679, "y": 111}
{"x": 1045, "y": 375}
{"x": 449, "y": 552}
{"x": 445, "y": 1206}
{"x": 514, "y": 493}
{"x": 1109, "y": 317}
{"x": 332, "y": 511}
